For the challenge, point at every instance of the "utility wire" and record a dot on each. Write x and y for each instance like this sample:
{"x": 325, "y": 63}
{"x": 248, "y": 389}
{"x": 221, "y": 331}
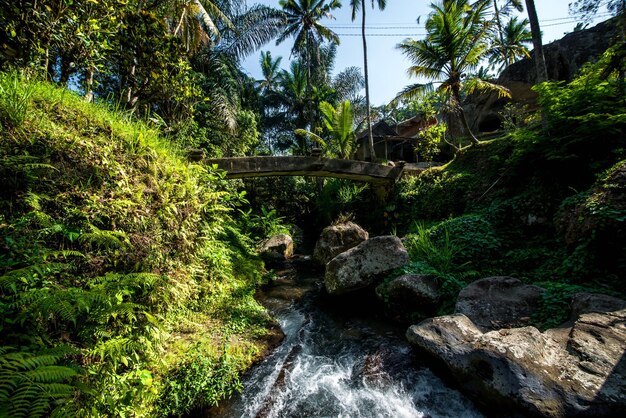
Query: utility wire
{"x": 568, "y": 22}
{"x": 389, "y": 26}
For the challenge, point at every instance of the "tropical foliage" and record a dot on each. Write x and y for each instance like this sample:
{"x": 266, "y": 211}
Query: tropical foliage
{"x": 121, "y": 267}
{"x": 128, "y": 273}
{"x": 339, "y": 124}
{"x": 455, "y": 45}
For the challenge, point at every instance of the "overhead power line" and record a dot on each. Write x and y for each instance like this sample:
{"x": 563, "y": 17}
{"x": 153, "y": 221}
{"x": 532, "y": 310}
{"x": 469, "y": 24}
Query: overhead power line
{"x": 391, "y": 26}
{"x": 405, "y": 35}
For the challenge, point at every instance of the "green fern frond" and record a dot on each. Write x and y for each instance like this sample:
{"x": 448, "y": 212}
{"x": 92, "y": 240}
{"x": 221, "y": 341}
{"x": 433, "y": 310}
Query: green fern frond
{"x": 41, "y": 218}
{"x": 50, "y": 373}
{"x": 33, "y": 200}
{"x": 39, "y": 166}
{"x": 15, "y": 280}
{"x": 115, "y": 349}
{"x": 33, "y": 384}
{"x": 50, "y": 303}
{"x": 104, "y": 239}
{"x": 64, "y": 254}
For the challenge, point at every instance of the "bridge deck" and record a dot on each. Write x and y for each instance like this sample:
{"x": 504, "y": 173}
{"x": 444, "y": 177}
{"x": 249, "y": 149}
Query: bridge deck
{"x": 242, "y": 167}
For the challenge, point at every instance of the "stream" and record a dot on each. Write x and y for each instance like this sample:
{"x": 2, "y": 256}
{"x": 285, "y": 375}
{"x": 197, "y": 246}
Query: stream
{"x": 338, "y": 359}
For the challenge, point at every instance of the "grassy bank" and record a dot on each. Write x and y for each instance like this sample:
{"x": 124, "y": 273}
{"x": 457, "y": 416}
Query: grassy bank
{"x": 126, "y": 289}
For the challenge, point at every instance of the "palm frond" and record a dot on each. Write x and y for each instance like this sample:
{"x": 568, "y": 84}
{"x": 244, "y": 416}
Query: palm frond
{"x": 476, "y": 84}
{"x": 413, "y": 92}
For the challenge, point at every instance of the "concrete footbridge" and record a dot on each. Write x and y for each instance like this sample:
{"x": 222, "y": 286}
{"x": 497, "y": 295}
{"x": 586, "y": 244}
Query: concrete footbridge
{"x": 244, "y": 167}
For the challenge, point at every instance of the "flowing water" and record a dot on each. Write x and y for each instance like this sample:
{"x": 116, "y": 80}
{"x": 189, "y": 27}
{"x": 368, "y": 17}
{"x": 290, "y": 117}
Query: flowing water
{"x": 339, "y": 359}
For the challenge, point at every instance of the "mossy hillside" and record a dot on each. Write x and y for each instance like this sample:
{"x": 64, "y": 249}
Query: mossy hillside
{"x": 122, "y": 258}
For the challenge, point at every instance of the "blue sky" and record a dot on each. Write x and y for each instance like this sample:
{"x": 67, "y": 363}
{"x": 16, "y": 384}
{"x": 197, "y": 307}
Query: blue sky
{"x": 387, "y": 66}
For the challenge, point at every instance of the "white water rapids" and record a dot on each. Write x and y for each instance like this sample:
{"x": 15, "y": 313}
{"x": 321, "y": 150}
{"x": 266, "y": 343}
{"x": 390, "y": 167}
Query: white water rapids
{"x": 333, "y": 363}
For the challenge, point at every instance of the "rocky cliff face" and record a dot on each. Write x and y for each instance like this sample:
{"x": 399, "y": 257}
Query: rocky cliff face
{"x": 567, "y": 55}
{"x": 564, "y": 58}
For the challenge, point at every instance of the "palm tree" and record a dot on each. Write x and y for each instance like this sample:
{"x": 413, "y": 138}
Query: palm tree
{"x": 540, "y": 61}
{"x": 292, "y": 102}
{"x": 356, "y": 5}
{"x": 504, "y": 9}
{"x": 510, "y": 46}
{"x": 271, "y": 71}
{"x": 339, "y": 123}
{"x": 454, "y": 46}
{"x": 242, "y": 32}
{"x": 303, "y": 18}
{"x": 196, "y": 22}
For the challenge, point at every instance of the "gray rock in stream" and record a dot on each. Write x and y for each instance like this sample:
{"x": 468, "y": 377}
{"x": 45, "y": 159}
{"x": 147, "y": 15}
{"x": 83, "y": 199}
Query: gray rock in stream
{"x": 414, "y": 293}
{"x": 277, "y": 247}
{"x": 364, "y": 264}
{"x": 584, "y": 302}
{"x": 336, "y": 239}
{"x": 522, "y": 370}
{"x": 499, "y": 302}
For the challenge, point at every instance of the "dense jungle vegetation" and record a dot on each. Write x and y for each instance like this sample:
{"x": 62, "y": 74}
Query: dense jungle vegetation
{"x": 127, "y": 272}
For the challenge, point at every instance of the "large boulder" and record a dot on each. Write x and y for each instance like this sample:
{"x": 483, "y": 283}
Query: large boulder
{"x": 336, "y": 239}
{"x": 362, "y": 265}
{"x": 414, "y": 293}
{"x": 499, "y": 302}
{"x": 525, "y": 372}
{"x": 584, "y": 302}
{"x": 277, "y": 247}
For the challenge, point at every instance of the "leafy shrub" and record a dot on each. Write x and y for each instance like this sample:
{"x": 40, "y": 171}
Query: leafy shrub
{"x": 339, "y": 196}
{"x": 515, "y": 116}
{"x": 555, "y": 303}
{"x": 263, "y": 225}
{"x": 587, "y": 118}
{"x": 200, "y": 381}
{"x": 436, "y": 254}
{"x": 429, "y": 141}
{"x": 435, "y": 194}
{"x": 472, "y": 237}
{"x": 592, "y": 104}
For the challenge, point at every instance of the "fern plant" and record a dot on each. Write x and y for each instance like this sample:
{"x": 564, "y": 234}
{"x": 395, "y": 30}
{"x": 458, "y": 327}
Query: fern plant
{"x": 34, "y": 384}
{"x": 104, "y": 239}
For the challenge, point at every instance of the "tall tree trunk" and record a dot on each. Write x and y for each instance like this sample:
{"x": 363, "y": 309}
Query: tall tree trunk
{"x": 66, "y": 71}
{"x": 540, "y": 61}
{"x": 89, "y": 85}
{"x": 456, "y": 94}
{"x": 370, "y": 136}
{"x": 500, "y": 35}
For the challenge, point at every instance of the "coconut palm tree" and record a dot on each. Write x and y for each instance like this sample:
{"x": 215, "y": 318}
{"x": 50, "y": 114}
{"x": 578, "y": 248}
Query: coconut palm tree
{"x": 453, "y": 48}
{"x": 510, "y": 45}
{"x": 504, "y": 9}
{"x": 196, "y": 22}
{"x": 303, "y": 23}
{"x": 271, "y": 71}
{"x": 244, "y": 31}
{"x": 292, "y": 101}
{"x": 339, "y": 123}
{"x": 356, "y": 5}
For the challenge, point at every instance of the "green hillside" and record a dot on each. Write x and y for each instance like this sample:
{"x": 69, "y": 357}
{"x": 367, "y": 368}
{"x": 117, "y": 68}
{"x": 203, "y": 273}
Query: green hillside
{"x": 125, "y": 287}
